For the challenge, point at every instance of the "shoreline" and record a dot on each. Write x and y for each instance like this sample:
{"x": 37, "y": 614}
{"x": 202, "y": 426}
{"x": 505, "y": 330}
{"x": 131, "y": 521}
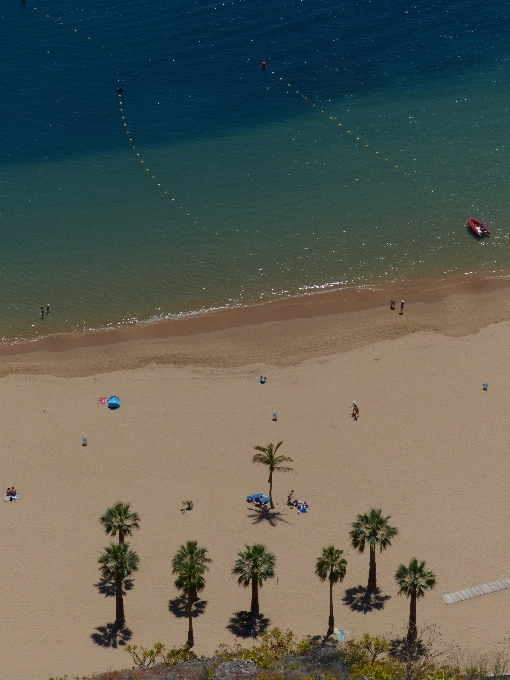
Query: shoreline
{"x": 280, "y": 332}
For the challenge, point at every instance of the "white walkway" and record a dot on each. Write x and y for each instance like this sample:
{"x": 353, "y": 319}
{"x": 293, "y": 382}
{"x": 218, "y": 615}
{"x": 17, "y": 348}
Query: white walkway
{"x": 485, "y": 588}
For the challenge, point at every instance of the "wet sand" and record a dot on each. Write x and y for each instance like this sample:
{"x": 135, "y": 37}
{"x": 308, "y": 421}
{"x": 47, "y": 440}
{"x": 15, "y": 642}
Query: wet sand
{"x": 281, "y": 333}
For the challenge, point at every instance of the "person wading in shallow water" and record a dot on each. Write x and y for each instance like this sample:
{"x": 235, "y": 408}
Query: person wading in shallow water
{"x": 42, "y": 312}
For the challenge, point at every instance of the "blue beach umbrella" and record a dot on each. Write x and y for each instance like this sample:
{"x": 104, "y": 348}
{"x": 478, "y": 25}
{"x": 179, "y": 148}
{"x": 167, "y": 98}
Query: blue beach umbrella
{"x": 113, "y": 403}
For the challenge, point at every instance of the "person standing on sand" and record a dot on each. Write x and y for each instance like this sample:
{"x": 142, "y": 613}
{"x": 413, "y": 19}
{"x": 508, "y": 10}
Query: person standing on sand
{"x": 401, "y": 306}
{"x": 355, "y": 410}
{"x": 392, "y": 304}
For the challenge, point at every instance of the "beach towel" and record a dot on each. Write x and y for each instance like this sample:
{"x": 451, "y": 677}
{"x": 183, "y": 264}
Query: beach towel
{"x": 102, "y": 400}
{"x": 340, "y": 633}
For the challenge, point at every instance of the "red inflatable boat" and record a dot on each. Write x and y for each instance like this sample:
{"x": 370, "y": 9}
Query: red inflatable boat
{"x": 478, "y": 228}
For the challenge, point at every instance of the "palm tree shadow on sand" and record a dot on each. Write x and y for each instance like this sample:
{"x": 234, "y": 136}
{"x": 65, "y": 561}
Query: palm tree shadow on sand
{"x": 111, "y": 635}
{"x": 260, "y": 515}
{"x": 407, "y": 650}
{"x": 107, "y": 588}
{"x": 179, "y": 607}
{"x": 243, "y": 624}
{"x": 361, "y": 599}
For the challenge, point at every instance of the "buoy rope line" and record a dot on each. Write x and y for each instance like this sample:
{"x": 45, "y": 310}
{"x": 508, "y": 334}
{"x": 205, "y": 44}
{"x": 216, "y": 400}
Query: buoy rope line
{"x": 57, "y": 22}
{"x": 142, "y": 161}
{"x": 309, "y": 100}
{"x": 343, "y": 128}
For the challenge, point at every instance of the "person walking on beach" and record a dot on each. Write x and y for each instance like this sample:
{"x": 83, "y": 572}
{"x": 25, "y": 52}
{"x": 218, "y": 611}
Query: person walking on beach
{"x": 42, "y": 312}
{"x": 401, "y": 306}
{"x": 355, "y": 410}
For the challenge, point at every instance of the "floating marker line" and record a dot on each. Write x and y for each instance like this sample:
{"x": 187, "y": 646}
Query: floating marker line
{"x": 58, "y": 22}
{"x": 334, "y": 119}
{"x": 340, "y": 125}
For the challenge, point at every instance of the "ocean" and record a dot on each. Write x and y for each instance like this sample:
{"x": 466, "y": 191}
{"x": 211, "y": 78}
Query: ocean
{"x": 353, "y": 159}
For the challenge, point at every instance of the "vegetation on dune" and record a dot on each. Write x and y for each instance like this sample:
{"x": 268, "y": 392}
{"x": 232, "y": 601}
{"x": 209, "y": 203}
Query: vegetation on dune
{"x": 273, "y": 645}
{"x": 267, "y": 456}
{"x": 252, "y": 567}
{"x": 372, "y": 529}
{"x": 158, "y": 654}
{"x": 331, "y": 566}
{"x": 281, "y": 655}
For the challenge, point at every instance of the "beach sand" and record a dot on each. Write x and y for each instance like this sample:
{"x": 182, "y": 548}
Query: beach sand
{"x": 430, "y": 449}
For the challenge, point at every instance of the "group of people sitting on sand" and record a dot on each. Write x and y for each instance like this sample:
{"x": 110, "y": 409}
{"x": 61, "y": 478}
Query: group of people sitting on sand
{"x": 302, "y": 506}
{"x": 11, "y": 494}
{"x": 263, "y": 379}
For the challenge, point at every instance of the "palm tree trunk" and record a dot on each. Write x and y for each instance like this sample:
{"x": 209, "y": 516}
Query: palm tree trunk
{"x": 271, "y": 489}
{"x": 120, "y": 619}
{"x": 372, "y": 571}
{"x": 191, "y": 640}
{"x": 121, "y": 537}
{"x": 331, "y": 620}
{"x": 412, "y": 631}
{"x": 255, "y": 596}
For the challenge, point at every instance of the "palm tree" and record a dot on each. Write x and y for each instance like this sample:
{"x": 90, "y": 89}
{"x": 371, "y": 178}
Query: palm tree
{"x": 268, "y": 457}
{"x": 119, "y": 519}
{"x": 331, "y": 566}
{"x": 117, "y": 563}
{"x": 413, "y": 582}
{"x": 372, "y": 528}
{"x": 190, "y": 564}
{"x": 255, "y": 565}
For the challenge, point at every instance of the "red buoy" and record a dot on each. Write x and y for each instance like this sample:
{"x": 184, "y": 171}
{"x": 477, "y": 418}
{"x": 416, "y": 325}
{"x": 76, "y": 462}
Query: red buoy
{"x": 263, "y": 65}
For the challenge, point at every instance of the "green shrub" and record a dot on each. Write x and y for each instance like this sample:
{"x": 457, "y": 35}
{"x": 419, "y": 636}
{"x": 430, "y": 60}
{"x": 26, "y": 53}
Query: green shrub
{"x": 145, "y": 657}
{"x": 274, "y": 644}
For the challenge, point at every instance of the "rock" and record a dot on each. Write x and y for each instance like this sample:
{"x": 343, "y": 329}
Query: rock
{"x": 239, "y": 668}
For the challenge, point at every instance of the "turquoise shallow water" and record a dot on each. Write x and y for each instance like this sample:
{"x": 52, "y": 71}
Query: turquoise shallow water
{"x": 272, "y": 197}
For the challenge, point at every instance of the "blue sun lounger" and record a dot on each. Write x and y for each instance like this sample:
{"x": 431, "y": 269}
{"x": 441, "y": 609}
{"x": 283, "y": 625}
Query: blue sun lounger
{"x": 254, "y": 497}
{"x": 264, "y": 500}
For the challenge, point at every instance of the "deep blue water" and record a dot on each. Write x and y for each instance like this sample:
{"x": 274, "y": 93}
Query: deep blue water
{"x": 269, "y": 186}
{"x": 191, "y": 69}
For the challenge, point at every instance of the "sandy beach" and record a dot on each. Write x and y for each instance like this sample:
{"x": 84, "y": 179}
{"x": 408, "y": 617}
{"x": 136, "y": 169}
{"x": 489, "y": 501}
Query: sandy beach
{"x": 429, "y": 448}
